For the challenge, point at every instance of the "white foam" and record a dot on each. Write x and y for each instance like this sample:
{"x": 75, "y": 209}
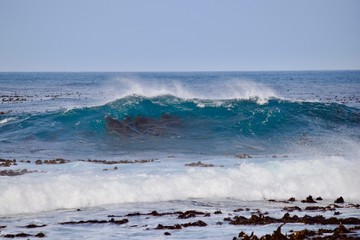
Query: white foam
{"x": 328, "y": 178}
{"x": 229, "y": 89}
{"x": 6, "y": 120}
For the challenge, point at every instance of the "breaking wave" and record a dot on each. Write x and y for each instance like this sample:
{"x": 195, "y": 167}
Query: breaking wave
{"x": 201, "y": 125}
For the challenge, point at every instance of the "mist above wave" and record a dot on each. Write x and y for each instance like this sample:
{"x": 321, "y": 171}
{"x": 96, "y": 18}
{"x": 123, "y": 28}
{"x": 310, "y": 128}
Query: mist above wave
{"x": 228, "y": 89}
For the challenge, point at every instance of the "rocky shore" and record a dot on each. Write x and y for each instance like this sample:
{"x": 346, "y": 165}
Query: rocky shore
{"x": 311, "y": 225}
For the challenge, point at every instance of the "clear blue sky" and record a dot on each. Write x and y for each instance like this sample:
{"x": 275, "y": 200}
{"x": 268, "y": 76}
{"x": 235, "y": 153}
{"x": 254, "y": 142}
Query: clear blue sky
{"x": 179, "y": 35}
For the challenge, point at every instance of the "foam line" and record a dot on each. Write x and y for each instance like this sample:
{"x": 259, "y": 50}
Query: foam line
{"x": 328, "y": 178}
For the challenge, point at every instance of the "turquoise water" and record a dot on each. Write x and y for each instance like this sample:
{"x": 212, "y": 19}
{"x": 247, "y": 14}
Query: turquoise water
{"x": 216, "y": 113}
{"x": 300, "y": 129}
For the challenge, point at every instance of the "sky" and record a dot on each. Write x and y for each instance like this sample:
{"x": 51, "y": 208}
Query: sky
{"x": 179, "y": 35}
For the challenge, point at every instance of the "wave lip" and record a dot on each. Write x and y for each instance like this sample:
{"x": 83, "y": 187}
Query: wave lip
{"x": 229, "y": 89}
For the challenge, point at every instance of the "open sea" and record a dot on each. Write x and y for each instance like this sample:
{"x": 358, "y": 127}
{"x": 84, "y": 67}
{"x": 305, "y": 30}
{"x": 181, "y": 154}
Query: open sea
{"x": 100, "y": 146}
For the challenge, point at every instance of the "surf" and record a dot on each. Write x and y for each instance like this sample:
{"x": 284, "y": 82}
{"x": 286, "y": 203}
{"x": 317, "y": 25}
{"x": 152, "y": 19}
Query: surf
{"x": 220, "y": 125}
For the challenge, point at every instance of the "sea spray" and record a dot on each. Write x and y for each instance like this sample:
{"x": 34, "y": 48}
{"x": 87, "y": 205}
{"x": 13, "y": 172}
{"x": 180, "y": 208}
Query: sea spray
{"x": 328, "y": 177}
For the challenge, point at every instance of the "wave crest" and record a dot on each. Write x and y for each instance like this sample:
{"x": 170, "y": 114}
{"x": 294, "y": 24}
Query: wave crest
{"x": 221, "y": 90}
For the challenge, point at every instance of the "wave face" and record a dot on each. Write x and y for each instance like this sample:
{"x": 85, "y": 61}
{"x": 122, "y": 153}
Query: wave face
{"x": 170, "y": 123}
{"x": 303, "y": 140}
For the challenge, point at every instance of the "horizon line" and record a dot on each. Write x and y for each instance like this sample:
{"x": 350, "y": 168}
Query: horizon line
{"x": 176, "y": 71}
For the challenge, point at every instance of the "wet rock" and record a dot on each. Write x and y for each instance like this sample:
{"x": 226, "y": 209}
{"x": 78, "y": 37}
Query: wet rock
{"x": 264, "y": 220}
{"x": 198, "y": 164}
{"x": 278, "y": 235}
{"x": 40, "y": 235}
{"x": 167, "y": 233}
{"x": 239, "y": 210}
{"x": 292, "y": 208}
{"x": 278, "y": 201}
{"x": 130, "y": 214}
{"x": 301, "y": 235}
{"x": 119, "y": 161}
{"x": 292, "y": 199}
{"x": 84, "y": 222}
{"x": 56, "y": 161}
{"x": 12, "y": 173}
{"x": 119, "y": 222}
{"x": 7, "y": 162}
{"x": 243, "y": 155}
{"x": 195, "y": 224}
{"x": 340, "y": 231}
{"x": 190, "y": 214}
{"x": 309, "y": 199}
{"x": 38, "y": 162}
{"x": 180, "y": 226}
{"x": 153, "y": 213}
{"x": 34, "y": 226}
{"x": 174, "y": 227}
{"x": 319, "y": 199}
{"x": 24, "y": 235}
{"x": 315, "y": 208}
{"x": 217, "y": 212}
{"x": 340, "y": 200}
{"x": 254, "y": 219}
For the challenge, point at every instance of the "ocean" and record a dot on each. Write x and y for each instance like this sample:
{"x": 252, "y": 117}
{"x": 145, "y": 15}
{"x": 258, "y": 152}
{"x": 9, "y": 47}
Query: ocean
{"x": 80, "y": 147}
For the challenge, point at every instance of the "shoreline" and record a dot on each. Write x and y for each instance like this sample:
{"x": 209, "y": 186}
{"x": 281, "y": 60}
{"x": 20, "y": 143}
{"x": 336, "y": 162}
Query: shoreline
{"x": 268, "y": 219}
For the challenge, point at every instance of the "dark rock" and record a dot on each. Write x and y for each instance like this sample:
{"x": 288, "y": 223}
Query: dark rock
{"x": 190, "y": 214}
{"x": 167, "y": 233}
{"x": 85, "y": 222}
{"x": 278, "y": 235}
{"x": 243, "y": 155}
{"x": 119, "y": 222}
{"x": 309, "y": 199}
{"x": 56, "y": 161}
{"x": 198, "y": 164}
{"x": 119, "y": 162}
{"x": 254, "y": 219}
{"x": 18, "y": 172}
{"x": 292, "y": 208}
{"x": 161, "y": 227}
{"x": 217, "y": 212}
{"x": 7, "y": 162}
{"x": 34, "y": 226}
{"x": 38, "y": 162}
{"x": 315, "y": 208}
{"x": 133, "y": 214}
{"x": 319, "y": 199}
{"x": 277, "y": 201}
{"x": 40, "y": 235}
{"x": 9, "y": 236}
{"x": 195, "y": 224}
{"x": 180, "y": 226}
{"x": 239, "y": 210}
{"x": 340, "y": 200}
{"x": 340, "y": 231}
{"x": 292, "y": 199}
